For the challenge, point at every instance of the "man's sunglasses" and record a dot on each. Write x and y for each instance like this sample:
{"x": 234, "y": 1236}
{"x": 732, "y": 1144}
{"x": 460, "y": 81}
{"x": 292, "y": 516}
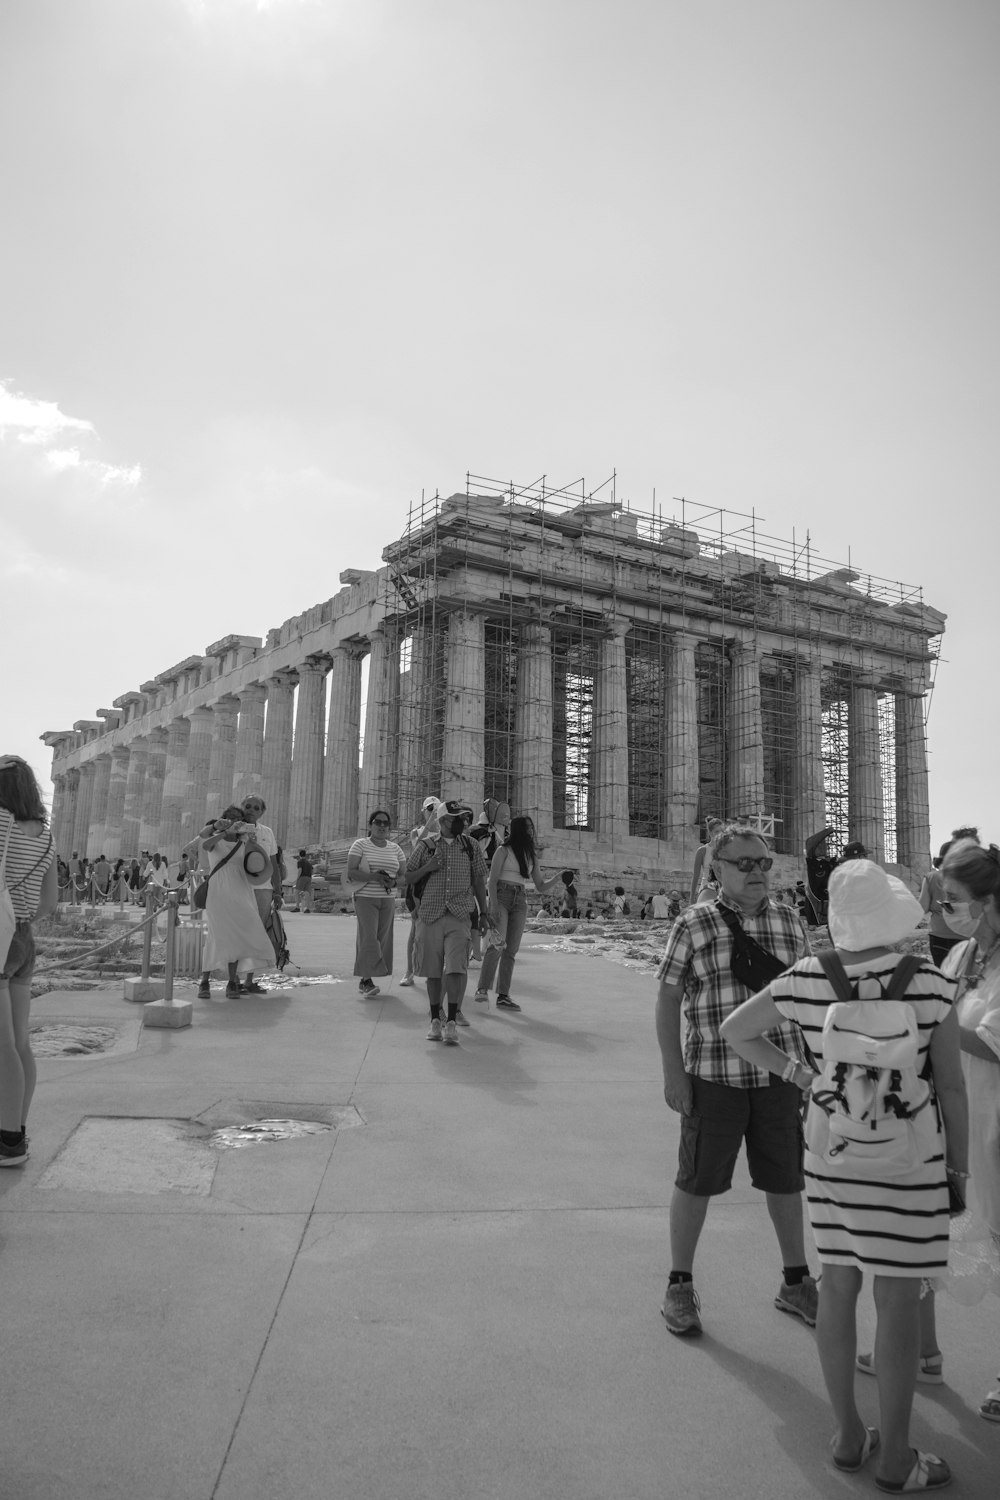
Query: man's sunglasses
{"x": 746, "y": 862}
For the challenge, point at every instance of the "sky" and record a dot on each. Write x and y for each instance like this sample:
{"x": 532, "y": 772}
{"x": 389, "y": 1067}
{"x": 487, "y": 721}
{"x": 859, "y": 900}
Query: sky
{"x": 273, "y": 268}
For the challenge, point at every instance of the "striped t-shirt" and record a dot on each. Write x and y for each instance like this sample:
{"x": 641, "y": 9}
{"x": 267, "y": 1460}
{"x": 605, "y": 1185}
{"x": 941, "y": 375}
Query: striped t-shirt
{"x": 29, "y": 855}
{"x": 388, "y": 857}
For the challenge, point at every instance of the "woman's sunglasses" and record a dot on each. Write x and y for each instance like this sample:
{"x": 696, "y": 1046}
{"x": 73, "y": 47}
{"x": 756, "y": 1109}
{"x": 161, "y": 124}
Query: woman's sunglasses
{"x": 746, "y": 862}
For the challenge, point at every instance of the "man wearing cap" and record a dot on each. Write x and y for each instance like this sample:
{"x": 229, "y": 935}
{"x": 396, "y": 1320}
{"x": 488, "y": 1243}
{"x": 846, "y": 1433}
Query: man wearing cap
{"x": 454, "y": 871}
{"x": 722, "y": 1100}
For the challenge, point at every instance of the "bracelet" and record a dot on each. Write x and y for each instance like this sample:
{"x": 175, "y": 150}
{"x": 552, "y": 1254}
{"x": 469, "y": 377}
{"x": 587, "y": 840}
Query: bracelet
{"x": 954, "y": 1172}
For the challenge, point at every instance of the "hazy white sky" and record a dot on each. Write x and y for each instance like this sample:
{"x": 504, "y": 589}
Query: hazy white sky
{"x": 271, "y": 267}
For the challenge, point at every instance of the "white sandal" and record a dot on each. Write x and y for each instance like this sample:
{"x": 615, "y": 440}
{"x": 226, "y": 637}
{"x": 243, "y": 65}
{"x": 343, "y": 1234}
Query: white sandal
{"x": 930, "y": 1370}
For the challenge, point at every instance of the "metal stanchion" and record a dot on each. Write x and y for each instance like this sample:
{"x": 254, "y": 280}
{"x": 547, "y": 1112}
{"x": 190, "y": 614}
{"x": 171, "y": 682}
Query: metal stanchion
{"x": 143, "y": 988}
{"x": 168, "y": 1011}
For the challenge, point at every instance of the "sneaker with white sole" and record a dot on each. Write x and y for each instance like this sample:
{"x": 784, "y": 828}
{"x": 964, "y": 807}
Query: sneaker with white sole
{"x": 368, "y": 989}
{"x": 435, "y": 1032}
{"x": 16, "y": 1155}
{"x": 681, "y": 1308}
{"x": 504, "y": 1002}
{"x": 801, "y": 1300}
{"x": 460, "y": 1019}
{"x": 406, "y": 982}
{"x": 482, "y": 997}
{"x": 450, "y": 1034}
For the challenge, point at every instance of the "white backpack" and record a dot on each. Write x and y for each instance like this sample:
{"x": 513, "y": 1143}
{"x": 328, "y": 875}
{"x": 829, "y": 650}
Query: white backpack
{"x": 869, "y": 1089}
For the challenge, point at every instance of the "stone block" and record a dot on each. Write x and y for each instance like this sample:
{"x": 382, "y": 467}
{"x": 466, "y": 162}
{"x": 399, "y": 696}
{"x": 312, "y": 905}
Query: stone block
{"x": 141, "y": 990}
{"x": 172, "y": 1013}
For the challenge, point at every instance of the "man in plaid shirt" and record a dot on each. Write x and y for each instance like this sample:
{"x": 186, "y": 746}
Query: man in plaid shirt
{"x": 722, "y": 1100}
{"x": 456, "y": 883}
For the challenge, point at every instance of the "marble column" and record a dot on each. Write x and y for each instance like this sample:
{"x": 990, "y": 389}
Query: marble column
{"x": 134, "y": 788}
{"x": 413, "y": 772}
{"x": 199, "y": 762}
{"x": 809, "y": 799}
{"x": 533, "y": 727}
{"x": 68, "y": 829}
{"x": 866, "y": 807}
{"x": 378, "y": 770}
{"x": 681, "y": 785}
{"x": 175, "y": 776}
{"x": 746, "y": 734}
{"x": 339, "y": 817}
{"x": 152, "y": 791}
{"x": 84, "y": 804}
{"x": 99, "y": 804}
{"x": 223, "y": 757}
{"x": 611, "y": 820}
{"x": 277, "y": 760}
{"x": 464, "y": 748}
{"x": 57, "y": 815}
{"x": 306, "y": 792}
{"x": 248, "y": 773}
{"x": 913, "y": 822}
{"x": 116, "y": 801}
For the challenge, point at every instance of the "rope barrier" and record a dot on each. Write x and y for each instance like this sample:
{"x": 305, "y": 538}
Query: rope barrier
{"x": 65, "y": 963}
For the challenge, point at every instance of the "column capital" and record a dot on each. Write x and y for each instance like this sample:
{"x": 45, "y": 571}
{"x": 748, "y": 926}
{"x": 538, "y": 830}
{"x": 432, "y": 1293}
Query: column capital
{"x": 158, "y": 737}
{"x": 616, "y": 627}
{"x": 121, "y": 752}
{"x": 353, "y": 650}
{"x": 254, "y": 692}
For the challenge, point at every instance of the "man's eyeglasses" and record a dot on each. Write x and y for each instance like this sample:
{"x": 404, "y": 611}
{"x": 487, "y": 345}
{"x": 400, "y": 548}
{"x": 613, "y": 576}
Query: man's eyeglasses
{"x": 746, "y": 862}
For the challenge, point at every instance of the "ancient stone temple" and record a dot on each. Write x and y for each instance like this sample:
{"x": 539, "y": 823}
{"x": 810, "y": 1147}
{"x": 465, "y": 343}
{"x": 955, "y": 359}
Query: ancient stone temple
{"x": 616, "y": 675}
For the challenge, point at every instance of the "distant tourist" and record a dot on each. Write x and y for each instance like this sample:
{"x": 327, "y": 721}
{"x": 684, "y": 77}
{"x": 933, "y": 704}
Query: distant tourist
{"x": 703, "y": 885}
{"x": 514, "y": 869}
{"x": 101, "y": 877}
{"x": 661, "y": 905}
{"x": 29, "y": 871}
{"x": 374, "y": 864}
{"x": 303, "y": 882}
{"x": 235, "y": 940}
{"x": 450, "y": 873}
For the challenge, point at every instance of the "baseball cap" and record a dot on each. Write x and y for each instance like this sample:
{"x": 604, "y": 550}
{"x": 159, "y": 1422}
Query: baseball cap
{"x": 429, "y": 802}
{"x": 456, "y": 809}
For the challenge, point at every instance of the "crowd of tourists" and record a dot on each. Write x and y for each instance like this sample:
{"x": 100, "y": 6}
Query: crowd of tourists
{"x": 863, "y": 1079}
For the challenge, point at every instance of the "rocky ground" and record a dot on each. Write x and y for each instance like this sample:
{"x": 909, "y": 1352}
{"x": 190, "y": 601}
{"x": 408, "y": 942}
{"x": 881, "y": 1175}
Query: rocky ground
{"x": 70, "y": 939}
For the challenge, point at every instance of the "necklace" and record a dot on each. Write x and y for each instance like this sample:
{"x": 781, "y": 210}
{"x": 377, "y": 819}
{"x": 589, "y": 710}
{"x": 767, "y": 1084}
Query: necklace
{"x": 978, "y": 968}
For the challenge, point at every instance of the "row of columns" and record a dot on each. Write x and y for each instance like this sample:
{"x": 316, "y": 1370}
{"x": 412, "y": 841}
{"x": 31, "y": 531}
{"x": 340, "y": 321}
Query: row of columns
{"x": 155, "y": 791}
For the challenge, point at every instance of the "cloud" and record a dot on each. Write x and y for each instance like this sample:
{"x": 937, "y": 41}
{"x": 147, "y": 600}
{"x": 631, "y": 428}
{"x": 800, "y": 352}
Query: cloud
{"x": 41, "y": 425}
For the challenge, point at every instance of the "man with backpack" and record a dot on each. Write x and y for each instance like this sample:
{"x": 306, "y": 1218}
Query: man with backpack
{"x": 719, "y": 953}
{"x": 447, "y": 874}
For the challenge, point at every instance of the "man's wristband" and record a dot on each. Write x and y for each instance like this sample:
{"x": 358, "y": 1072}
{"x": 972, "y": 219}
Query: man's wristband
{"x": 954, "y": 1172}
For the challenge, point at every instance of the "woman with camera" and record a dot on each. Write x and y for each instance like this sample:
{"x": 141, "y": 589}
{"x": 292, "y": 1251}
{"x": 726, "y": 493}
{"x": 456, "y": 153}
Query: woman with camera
{"x": 236, "y": 940}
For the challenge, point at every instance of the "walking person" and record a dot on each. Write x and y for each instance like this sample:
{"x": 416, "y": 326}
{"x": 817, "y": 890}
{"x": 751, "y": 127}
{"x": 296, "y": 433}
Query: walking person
{"x": 235, "y": 939}
{"x": 513, "y": 868}
{"x": 374, "y": 865}
{"x": 716, "y": 953}
{"x": 303, "y": 882}
{"x": 870, "y": 1211}
{"x": 28, "y": 869}
{"x": 449, "y": 872}
{"x": 428, "y": 824}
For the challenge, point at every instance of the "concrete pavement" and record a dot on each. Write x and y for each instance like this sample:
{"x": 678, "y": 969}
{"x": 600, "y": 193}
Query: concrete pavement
{"x": 453, "y": 1293}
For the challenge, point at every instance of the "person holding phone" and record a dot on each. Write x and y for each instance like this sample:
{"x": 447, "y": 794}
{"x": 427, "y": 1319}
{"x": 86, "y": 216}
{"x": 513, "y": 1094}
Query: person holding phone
{"x": 373, "y": 867}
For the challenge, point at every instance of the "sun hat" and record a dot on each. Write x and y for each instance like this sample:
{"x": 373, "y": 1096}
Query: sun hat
{"x": 434, "y": 802}
{"x": 868, "y": 907}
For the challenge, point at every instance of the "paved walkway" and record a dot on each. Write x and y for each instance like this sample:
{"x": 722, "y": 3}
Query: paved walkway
{"x": 455, "y": 1295}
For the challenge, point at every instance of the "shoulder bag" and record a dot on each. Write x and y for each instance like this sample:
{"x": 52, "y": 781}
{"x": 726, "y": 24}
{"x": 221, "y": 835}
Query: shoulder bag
{"x": 201, "y": 894}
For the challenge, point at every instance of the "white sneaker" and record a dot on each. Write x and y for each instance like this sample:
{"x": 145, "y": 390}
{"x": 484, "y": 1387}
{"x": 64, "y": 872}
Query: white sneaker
{"x": 460, "y": 1019}
{"x": 406, "y": 982}
{"x": 450, "y": 1034}
{"x": 482, "y": 997}
{"x": 435, "y": 1033}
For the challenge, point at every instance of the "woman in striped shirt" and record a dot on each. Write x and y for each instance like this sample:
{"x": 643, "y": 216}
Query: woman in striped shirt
{"x": 896, "y": 1228}
{"x": 31, "y": 877}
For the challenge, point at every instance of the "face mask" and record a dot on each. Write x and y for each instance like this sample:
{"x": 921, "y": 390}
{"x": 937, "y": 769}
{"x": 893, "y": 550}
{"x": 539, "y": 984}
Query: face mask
{"x": 961, "y": 921}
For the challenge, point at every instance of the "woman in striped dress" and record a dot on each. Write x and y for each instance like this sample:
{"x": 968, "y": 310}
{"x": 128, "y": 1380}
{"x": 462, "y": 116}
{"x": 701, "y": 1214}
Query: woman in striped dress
{"x": 896, "y": 1228}
{"x": 28, "y": 861}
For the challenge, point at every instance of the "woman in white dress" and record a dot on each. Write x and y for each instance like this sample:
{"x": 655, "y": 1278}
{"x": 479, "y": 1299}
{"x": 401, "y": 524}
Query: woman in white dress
{"x": 373, "y": 864}
{"x": 235, "y": 940}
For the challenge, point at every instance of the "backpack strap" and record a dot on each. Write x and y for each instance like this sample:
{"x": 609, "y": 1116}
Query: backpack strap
{"x": 3, "y": 860}
{"x": 836, "y": 973}
{"x": 902, "y": 974}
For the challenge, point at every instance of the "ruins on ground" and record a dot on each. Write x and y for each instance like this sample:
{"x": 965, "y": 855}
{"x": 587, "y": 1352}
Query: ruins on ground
{"x": 616, "y": 675}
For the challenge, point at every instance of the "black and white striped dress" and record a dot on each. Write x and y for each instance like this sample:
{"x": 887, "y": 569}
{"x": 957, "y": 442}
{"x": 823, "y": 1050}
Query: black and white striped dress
{"x": 889, "y": 1226}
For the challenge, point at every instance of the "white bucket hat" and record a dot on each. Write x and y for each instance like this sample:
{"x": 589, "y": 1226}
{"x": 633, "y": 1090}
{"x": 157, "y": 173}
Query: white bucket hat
{"x": 869, "y": 908}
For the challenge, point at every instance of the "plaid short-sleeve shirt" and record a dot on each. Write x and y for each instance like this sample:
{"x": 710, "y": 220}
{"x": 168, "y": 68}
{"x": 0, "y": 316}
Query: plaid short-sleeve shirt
{"x": 451, "y": 888}
{"x": 697, "y": 960}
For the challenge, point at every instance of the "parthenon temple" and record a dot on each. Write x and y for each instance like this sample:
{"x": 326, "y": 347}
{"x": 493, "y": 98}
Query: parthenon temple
{"x": 616, "y": 675}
